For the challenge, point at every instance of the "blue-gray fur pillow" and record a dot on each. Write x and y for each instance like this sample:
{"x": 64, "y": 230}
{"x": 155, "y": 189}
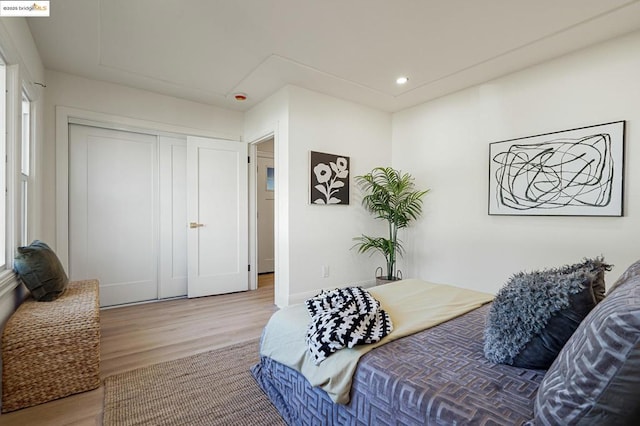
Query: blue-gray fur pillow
{"x": 535, "y": 313}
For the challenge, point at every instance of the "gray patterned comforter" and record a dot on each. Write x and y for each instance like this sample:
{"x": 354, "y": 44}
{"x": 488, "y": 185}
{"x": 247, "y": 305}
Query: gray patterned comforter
{"x": 435, "y": 377}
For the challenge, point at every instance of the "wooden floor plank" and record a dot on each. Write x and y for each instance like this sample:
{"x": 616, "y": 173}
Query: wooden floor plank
{"x": 142, "y": 335}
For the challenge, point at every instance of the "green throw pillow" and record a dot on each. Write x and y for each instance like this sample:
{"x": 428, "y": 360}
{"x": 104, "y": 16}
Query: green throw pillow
{"x": 41, "y": 271}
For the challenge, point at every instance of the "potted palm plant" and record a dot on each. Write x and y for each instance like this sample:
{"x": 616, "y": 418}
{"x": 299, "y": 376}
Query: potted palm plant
{"x": 390, "y": 195}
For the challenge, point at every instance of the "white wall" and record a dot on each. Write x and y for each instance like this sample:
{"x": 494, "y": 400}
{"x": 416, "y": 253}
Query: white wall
{"x": 323, "y": 235}
{"x": 107, "y": 98}
{"x": 18, "y": 47}
{"x": 445, "y": 144}
{"x": 311, "y": 236}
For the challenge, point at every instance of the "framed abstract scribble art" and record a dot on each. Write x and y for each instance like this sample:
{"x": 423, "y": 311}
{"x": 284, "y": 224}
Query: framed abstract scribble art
{"x": 329, "y": 178}
{"x": 577, "y": 172}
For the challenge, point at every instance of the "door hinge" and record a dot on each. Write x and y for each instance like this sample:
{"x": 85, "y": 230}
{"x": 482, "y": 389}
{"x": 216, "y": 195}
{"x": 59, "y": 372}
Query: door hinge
{"x": 249, "y": 268}
{"x": 249, "y": 159}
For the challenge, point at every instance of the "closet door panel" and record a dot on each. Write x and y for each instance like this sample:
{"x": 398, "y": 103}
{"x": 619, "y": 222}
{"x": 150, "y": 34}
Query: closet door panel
{"x": 113, "y": 205}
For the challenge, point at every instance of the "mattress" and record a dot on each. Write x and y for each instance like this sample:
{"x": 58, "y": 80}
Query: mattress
{"x": 438, "y": 376}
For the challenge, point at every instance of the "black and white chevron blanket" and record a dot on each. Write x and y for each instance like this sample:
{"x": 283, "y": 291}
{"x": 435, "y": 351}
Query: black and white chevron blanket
{"x": 343, "y": 318}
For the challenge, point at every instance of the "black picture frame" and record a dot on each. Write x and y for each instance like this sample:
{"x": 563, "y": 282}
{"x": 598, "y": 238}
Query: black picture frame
{"x": 329, "y": 178}
{"x": 575, "y": 172}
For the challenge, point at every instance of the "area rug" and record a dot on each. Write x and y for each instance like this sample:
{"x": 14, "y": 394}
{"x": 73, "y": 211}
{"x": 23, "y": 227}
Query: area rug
{"x": 211, "y": 388}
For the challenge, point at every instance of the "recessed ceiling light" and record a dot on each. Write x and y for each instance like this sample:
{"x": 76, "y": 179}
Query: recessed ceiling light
{"x": 402, "y": 80}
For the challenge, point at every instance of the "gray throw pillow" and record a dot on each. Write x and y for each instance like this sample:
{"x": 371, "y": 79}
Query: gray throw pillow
{"x": 41, "y": 271}
{"x": 535, "y": 313}
{"x": 595, "y": 379}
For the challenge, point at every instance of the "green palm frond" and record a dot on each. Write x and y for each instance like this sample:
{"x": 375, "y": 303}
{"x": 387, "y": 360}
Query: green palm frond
{"x": 391, "y": 196}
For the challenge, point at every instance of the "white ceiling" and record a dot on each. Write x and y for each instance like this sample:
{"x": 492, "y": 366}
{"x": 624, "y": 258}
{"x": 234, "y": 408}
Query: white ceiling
{"x": 207, "y": 50}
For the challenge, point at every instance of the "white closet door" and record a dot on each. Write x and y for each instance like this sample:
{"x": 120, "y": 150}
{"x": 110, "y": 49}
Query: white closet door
{"x": 113, "y": 219}
{"x": 217, "y": 208}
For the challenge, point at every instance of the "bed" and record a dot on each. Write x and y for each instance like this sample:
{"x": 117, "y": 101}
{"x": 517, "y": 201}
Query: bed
{"x": 403, "y": 383}
{"x": 440, "y": 376}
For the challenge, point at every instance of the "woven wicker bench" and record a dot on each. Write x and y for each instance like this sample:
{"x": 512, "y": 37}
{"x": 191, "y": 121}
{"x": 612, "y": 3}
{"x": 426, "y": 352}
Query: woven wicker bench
{"x": 52, "y": 349}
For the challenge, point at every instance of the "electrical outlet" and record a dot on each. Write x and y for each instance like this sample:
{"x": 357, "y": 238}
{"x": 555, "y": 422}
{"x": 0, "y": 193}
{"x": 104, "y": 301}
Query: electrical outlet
{"x": 325, "y": 271}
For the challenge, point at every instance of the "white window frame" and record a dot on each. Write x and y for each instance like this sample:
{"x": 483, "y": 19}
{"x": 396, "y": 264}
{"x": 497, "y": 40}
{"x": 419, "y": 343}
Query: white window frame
{"x": 12, "y": 136}
{"x": 25, "y": 184}
{"x": 3, "y": 156}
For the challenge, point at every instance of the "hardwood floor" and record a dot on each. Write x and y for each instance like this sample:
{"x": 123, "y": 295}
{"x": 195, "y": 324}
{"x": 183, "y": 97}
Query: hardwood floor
{"x": 141, "y": 335}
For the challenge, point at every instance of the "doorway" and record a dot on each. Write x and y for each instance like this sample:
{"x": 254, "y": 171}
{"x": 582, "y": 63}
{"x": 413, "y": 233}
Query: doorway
{"x": 265, "y": 194}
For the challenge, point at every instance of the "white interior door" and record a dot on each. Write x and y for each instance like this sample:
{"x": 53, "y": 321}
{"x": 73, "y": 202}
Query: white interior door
{"x": 113, "y": 219}
{"x": 265, "y": 194}
{"x": 217, "y": 208}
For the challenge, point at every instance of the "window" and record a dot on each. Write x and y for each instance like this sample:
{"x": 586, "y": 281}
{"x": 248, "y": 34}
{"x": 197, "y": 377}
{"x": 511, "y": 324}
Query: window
{"x": 25, "y": 166}
{"x": 16, "y": 123}
{"x": 18, "y": 117}
{"x": 3, "y": 164}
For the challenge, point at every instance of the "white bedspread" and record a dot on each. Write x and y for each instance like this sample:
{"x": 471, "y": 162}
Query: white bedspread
{"x": 413, "y": 305}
